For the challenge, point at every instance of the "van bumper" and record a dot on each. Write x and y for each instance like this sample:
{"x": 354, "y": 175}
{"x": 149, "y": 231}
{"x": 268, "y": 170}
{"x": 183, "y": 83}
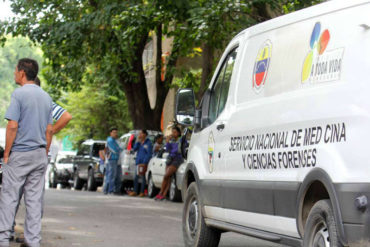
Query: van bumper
{"x": 355, "y": 220}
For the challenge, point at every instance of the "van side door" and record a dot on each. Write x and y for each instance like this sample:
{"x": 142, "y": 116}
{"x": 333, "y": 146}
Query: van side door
{"x": 213, "y": 139}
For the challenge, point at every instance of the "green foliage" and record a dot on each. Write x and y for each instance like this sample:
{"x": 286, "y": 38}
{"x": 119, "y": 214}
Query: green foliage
{"x": 188, "y": 79}
{"x": 289, "y": 6}
{"x": 94, "y": 112}
{"x": 10, "y": 53}
{"x": 100, "y": 43}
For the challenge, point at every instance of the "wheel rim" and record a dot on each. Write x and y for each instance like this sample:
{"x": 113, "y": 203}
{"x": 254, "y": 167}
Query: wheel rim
{"x": 150, "y": 187}
{"x": 52, "y": 178}
{"x": 192, "y": 217}
{"x": 321, "y": 235}
{"x": 75, "y": 180}
{"x": 172, "y": 189}
{"x": 89, "y": 181}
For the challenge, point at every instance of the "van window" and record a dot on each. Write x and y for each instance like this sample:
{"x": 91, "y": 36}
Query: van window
{"x": 221, "y": 86}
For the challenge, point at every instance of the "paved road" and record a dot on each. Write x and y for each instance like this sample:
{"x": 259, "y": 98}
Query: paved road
{"x": 75, "y": 218}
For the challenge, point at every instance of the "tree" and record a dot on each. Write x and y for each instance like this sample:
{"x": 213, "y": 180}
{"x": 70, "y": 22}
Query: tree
{"x": 103, "y": 41}
{"x": 100, "y": 42}
{"x": 94, "y": 112}
{"x": 13, "y": 50}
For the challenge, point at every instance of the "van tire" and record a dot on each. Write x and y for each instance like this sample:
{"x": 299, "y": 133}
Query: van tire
{"x": 321, "y": 226}
{"x": 195, "y": 231}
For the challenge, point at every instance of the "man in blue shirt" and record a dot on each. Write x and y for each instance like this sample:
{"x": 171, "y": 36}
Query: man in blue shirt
{"x": 144, "y": 153}
{"x": 28, "y": 138}
{"x": 113, "y": 155}
{"x": 61, "y": 118}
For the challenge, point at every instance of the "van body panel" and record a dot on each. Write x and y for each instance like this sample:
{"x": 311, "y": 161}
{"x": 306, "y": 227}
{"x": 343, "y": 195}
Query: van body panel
{"x": 297, "y": 101}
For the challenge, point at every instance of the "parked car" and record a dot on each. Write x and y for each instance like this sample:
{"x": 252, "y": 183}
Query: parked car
{"x": 280, "y": 144}
{"x": 155, "y": 174}
{"x": 86, "y": 166}
{"x": 157, "y": 168}
{"x": 128, "y": 157}
{"x": 61, "y": 170}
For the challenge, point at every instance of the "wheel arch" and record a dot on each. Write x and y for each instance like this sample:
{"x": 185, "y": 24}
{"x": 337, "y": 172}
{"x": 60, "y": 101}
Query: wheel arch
{"x": 190, "y": 175}
{"x": 317, "y": 186}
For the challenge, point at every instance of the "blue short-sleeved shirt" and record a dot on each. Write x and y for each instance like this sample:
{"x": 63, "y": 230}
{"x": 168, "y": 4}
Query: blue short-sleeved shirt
{"x": 31, "y": 107}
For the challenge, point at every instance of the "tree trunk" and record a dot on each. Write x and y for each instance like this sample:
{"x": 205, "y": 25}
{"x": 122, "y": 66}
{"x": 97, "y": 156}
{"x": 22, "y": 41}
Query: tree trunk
{"x": 143, "y": 117}
{"x": 207, "y": 67}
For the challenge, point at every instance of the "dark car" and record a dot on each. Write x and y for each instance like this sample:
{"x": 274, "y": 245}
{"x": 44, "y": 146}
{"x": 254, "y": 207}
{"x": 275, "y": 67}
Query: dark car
{"x": 86, "y": 166}
{"x": 61, "y": 170}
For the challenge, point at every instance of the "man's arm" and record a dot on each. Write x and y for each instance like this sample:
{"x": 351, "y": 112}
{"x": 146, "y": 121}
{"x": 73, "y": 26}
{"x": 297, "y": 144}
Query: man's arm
{"x": 11, "y": 132}
{"x": 61, "y": 122}
{"x": 49, "y": 136}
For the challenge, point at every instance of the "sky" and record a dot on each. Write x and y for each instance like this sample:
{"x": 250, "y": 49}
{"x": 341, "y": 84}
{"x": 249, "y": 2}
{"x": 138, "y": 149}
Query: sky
{"x": 5, "y": 11}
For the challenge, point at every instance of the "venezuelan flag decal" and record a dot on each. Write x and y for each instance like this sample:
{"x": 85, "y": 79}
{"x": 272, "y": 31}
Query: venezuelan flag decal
{"x": 261, "y": 65}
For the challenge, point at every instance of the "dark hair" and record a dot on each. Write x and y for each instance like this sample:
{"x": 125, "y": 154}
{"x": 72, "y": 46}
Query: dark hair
{"x": 30, "y": 68}
{"x": 37, "y": 81}
{"x": 144, "y": 132}
{"x": 111, "y": 129}
{"x": 177, "y": 129}
{"x": 159, "y": 135}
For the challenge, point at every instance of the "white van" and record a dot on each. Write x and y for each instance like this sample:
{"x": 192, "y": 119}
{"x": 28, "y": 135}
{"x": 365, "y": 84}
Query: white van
{"x": 280, "y": 149}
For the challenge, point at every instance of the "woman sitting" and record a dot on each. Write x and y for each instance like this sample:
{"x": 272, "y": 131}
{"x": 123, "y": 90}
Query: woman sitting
{"x": 174, "y": 160}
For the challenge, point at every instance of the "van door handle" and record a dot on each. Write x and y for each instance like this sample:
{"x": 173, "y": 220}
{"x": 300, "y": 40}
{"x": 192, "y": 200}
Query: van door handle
{"x": 220, "y": 127}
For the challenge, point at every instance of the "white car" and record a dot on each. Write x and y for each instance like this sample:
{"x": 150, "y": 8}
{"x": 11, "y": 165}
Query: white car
{"x": 61, "y": 171}
{"x": 155, "y": 173}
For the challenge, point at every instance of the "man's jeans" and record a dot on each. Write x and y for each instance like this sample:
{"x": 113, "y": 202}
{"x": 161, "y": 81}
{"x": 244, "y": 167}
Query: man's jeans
{"x": 136, "y": 182}
{"x": 111, "y": 176}
{"x": 118, "y": 182}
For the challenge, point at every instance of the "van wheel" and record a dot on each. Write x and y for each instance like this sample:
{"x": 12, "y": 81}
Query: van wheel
{"x": 152, "y": 190}
{"x": 194, "y": 228}
{"x": 175, "y": 194}
{"x": 77, "y": 181}
{"x": 91, "y": 184}
{"x": 321, "y": 228}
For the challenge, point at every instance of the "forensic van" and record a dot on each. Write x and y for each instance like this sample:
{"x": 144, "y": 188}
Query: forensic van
{"x": 281, "y": 142}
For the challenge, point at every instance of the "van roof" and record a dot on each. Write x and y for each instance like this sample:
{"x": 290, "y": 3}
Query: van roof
{"x": 307, "y": 13}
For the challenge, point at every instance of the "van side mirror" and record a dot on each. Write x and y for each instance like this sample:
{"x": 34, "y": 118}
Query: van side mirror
{"x": 1, "y": 152}
{"x": 185, "y": 106}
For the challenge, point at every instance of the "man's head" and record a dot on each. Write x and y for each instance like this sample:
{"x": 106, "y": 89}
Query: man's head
{"x": 26, "y": 71}
{"x": 142, "y": 135}
{"x": 113, "y": 133}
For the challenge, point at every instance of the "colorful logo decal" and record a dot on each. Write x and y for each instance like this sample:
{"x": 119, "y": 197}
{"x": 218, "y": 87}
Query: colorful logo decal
{"x": 261, "y": 66}
{"x": 211, "y": 148}
{"x": 320, "y": 64}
